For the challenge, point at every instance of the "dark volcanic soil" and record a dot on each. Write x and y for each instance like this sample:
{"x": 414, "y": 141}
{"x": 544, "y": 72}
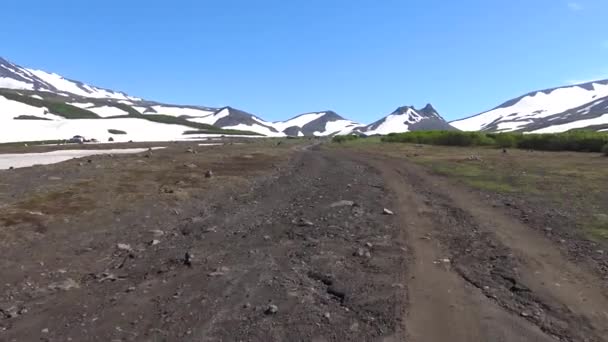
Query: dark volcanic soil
{"x": 282, "y": 243}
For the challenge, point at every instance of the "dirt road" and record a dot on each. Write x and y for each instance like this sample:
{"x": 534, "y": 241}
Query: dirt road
{"x": 304, "y": 252}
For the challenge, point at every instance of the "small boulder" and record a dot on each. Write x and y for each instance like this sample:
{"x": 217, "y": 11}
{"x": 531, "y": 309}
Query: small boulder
{"x": 271, "y": 309}
{"x": 342, "y": 203}
{"x": 387, "y": 212}
{"x": 302, "y": 222}
{"x": 208, "y": 174}
{"x": 124, "y": 247}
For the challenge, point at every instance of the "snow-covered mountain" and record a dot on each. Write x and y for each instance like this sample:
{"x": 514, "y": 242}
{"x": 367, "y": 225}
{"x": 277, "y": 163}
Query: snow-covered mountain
{"x": 326, "y": 123}
{"x": 546, "y": 111}
{"x": 13, "y": 76}
{"x": 406, "y": 119}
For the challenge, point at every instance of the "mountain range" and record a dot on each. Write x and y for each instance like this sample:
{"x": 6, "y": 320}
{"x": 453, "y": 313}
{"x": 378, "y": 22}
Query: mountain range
{"x": 38, "y": 105}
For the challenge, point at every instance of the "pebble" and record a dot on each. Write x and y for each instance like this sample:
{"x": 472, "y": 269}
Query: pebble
{"x": 219, "y": 272}
{"x": 387, "y": 212}
{"x": 65, "y": 285}
{"x": 305, "y": 223}
{"x": 208, "y": 174}
{"x": 154, "y": 242}
{"x": 124, "y": 247}
{"x": 343, "y": 203}
{"x": 188, "y": 259}
{"x": 271, "y": 309}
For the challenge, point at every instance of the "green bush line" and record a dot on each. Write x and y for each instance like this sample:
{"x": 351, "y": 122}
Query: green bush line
{"x": 343, "y": 138}
{"x": 583, "y": 141}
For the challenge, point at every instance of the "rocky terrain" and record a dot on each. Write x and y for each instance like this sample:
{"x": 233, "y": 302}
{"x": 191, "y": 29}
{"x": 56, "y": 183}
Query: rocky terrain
{"x": 278, "y": 241}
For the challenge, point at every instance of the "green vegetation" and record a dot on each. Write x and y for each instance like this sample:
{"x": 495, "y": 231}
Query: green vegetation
{"x": 55, "y": 107}
{"x": 172, "y": 120}
{"x": 116, "y": 131}
{"x": 584, "y": 141}
{"x": 449, "y": 138}
{"x": 343, "y": 138}
{"x": 605, "y": 150}
{"x": 598, "y": 226}
{"x": 29, "y": 117}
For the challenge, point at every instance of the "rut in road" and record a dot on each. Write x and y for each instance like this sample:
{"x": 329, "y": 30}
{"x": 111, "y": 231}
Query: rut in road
{"x": 483, "y": 275}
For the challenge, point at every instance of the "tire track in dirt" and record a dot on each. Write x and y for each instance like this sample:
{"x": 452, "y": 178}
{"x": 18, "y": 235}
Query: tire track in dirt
{"x": 503, "y": 281}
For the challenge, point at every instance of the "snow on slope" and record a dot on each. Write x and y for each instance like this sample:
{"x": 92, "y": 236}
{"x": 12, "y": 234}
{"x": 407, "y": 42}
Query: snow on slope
{"x": 13, "y": 76}
{"x": 136, "y": 129}
{"x": 324, "y": 123}
{"x": 574, "y": 124}
{"x": 60, "y": 128}
{"x": 30, "y": 159}
{"x": 10, "y": 109}
{"x": 338, "y": 127}
{"x": 255, "y": 128}
{"x": 517, "y": 113}
{"x": 107, "y": 111}
{"x": 298, "y": 121}
{"x": 211, "y": 118}
{"x": 179, "y": 111}
{"x": 406, "y": 119}
{"x": 396, "y": 123}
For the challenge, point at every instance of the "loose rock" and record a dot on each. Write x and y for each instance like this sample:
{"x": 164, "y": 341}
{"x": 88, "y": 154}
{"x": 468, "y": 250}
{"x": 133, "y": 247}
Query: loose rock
{"x": 343, "y": 203}
{"x": 271, "y": 309}
{"x": 65, "y": 285}
{"x": 124, "y": 247}
{"x": 304, "y": 223}
{"x": 188, "y": 259}
{"x": 387, "y": 212}
{"x": 208, "y": 174}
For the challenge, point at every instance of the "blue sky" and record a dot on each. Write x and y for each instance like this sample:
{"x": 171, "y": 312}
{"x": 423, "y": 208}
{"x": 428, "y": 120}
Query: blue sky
{"x": 278, "y": 58}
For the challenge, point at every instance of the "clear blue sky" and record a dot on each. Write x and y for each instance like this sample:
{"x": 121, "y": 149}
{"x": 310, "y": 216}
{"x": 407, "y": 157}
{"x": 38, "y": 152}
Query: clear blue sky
{"x": 278, "y": 58}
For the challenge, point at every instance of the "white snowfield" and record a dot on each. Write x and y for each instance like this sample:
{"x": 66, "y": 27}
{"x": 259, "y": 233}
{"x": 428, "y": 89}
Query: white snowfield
{"x": 257, "y": 129}
{"x": 338, "y": 127}
{"x": 331, "y": 127}
{"x": 179, "y": 111}
{"x": 396, "y": 123}
{"x": 30, "y": 159}
{"x": 59, "y": 128}
{"x": 537, "y": 105}
{"x": 299, "y": 121}
{"x": 107, "y": 111}
{"x": 210, "y": 118}
{"x": 573, "y": 125}
{"x": 55, "y": 83}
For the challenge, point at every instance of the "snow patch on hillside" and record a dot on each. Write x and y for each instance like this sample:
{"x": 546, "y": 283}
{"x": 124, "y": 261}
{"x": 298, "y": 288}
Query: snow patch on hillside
{"x": 537, "y": 105}
{"x": 107, "y": 111}
{"x": 298, "y": 121}
{"x": 179, "y": 111}
{"x": 573, "y": 125}
{"x": 31, "y": 159}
